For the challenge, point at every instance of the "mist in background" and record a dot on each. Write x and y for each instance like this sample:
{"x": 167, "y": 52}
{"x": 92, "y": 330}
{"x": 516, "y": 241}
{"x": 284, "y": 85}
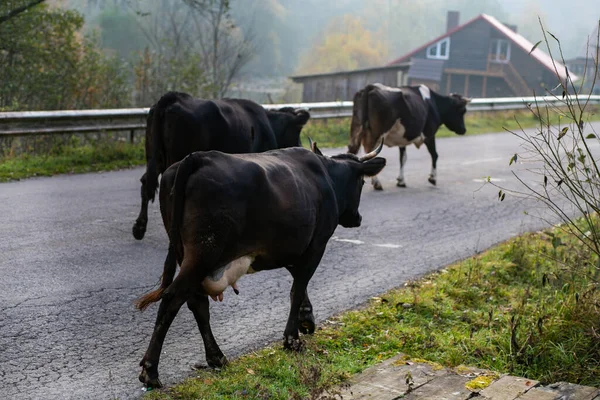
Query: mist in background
{"x": 288, "y": 32}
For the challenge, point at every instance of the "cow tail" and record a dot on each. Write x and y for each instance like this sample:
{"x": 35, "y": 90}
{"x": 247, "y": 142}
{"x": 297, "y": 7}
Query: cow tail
{"x": 156, "y": 124}
{"x": 166, "y": 279}
{"x": 188, "y": 166}
{"x": 360, "y": 120}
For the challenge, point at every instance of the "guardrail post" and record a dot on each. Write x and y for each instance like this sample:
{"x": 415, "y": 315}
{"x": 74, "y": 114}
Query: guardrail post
{"x": 132, "y": 136}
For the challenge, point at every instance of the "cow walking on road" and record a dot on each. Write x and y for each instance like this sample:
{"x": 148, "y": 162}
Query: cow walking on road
{"x": 403, "y": 116}
{"x": 179, "y": 124}
{"x": 232, "y": 214}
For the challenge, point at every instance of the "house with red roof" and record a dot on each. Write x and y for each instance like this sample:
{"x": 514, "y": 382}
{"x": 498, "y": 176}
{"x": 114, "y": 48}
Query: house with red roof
{"x": 482, "y": 58}
{"x": 479, "y": 58}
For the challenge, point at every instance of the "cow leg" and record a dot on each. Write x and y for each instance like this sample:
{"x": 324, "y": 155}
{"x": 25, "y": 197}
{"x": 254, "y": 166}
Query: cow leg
{"x": 306, "y": 318}
{"x": 400, "y": 180}
{"x": 430, "y": 143}
{"x": 172, "y": 299}
{"x": 302, "y": 272}
{"x": 215, "y": 358}
{"x": 139, "y": 228}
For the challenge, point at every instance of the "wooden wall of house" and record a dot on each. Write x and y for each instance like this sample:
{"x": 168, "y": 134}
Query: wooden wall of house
{"x": 469, "y": 47}
{"x": 478, "y": 86}
{"x": 530, "y": 70}
{"x": 343, "y": 87}
{"x": 497, "y": 87}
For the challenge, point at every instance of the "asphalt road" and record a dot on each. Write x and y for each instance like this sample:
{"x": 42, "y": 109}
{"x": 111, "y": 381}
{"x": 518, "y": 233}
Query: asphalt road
{"x": 70, "y": 268}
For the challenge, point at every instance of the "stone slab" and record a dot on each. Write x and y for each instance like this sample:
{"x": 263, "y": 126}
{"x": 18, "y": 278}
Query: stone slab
{"x": 508, "y": 388}
{"x": 446, "y": 387}
{"x": 539, "y": 393}
{"x": 561, "y": 391}
{"x": 387, "y": 381}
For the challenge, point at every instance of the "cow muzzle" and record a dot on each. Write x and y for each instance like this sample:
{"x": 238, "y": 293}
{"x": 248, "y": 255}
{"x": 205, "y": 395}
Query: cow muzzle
{"x": 350, "y": 220}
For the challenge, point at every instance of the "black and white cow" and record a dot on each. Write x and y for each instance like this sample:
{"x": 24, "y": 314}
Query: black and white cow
{"x": 403, "y": 116}
{"x": 232, "y": 214}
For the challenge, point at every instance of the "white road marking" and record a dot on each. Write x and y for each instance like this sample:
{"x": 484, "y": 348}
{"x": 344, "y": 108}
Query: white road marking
{"x": 348, "y": 240}
{"x": 485, "y": 160}
{"x": 354, "y": 241}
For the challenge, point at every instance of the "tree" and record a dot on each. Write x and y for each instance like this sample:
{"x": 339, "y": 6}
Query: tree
{"x": 565, "y": 175}
{"x": 345, "y": 45}
{"x": 195, "y": 47}
{"x": 46, "y": 64}
{"x": 13, "y": 8}
{"x": 225, "y": 48}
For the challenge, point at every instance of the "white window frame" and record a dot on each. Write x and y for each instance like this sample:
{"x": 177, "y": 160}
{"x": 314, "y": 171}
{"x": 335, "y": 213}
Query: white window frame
{"x": 495, "y": 57}
{"x": 438, "y": 48}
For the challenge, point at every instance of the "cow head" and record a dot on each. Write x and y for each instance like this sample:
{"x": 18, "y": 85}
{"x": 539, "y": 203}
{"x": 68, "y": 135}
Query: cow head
{"x": 287, "y": 123}
{"x": 452, "y": 112}
{"x": 347, "y": 172}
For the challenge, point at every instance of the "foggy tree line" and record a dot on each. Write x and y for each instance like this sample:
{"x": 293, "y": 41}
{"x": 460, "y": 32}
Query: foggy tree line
{"x": 117, "y": 53}
{"x": 50, "y": 60}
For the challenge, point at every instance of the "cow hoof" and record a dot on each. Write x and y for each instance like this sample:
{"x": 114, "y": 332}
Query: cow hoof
{"x": 307, "y": 327}
{"x": 215, "y": 362}
{"x": 306, "y": 321}
{"x": 150, "y": 378}
{"x": 293, "y": 344}
{"x": 139, "y": 231}
{"x": 377, "y": 186}
{"x": 401, "y": 184}
{"x": 432, "y": 181}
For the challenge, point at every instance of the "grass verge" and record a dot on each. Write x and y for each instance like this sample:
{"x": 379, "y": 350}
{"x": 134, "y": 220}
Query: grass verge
{"x": 106, "y": 155}
{"x": 67, "y": 159}
{"x": 529, "y": 307}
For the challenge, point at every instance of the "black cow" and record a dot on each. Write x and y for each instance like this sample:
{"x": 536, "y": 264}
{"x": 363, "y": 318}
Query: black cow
{"x": 228, "y": 215}
{"x": 403, "y": 116}
{"x": 179, "y": 124}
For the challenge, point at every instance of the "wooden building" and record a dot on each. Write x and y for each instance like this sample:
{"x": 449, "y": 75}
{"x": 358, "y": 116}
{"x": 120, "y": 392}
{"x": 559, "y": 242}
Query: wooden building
{"x": 480, "y": 58}
{"x": 341, "y": 86}
{"x": 586, "y": 64}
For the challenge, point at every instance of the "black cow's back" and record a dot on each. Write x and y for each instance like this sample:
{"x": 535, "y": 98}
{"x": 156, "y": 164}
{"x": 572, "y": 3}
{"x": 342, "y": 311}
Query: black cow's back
{"x": 259, "y": 196}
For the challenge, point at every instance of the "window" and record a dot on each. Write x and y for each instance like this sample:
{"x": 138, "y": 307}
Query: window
{"x": 439, "y": 50}
{"x": 500, "y": 50}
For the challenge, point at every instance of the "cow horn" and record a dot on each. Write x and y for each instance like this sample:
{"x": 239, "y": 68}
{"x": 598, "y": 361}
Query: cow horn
{"x": 372, "y": 154}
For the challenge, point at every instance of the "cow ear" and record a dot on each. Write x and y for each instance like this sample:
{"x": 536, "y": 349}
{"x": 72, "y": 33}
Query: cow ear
{"x": 302, "y": 117}
{"x": 373, "y": 166}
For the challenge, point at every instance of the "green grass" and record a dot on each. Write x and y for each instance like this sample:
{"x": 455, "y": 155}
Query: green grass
{"x": 529, "y": 307}
{"x": 73, "y": 158}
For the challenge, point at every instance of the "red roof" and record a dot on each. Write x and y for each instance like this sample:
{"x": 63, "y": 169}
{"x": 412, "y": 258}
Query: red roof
{"x": 517, "y": 39}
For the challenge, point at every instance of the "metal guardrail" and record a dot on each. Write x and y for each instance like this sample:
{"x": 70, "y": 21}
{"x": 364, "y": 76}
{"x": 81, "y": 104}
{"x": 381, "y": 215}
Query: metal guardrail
{"x": 132, "y": 119}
